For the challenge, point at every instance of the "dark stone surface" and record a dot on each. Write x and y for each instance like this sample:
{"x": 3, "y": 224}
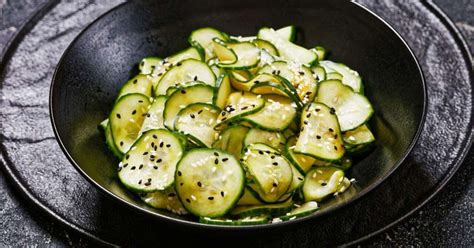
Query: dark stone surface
{"x": 445, "y": 221}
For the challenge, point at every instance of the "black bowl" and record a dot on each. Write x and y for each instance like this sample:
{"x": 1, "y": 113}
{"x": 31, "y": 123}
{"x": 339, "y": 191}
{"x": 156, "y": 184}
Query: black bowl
{"x": 105, "y": 54}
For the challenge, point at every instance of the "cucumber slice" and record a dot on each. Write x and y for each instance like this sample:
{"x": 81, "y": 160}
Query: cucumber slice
{"x": 154, "y": 116}
{"x": 109, "y": 140}
{"x": 333, "y": 76}
{"x": 349, "y": 77}
{"x": 184, "y": 97}
{"x": 287, "y": 49}
{"x": 240, "y": 104}
{"x": 271, "y": 84}
{"x": 320, "y": 51}
{"x": 245, "y": 83}
{"x": 148, "y": 64}
{"x": 249, "y": 198}
{"x": 166, "y": 64}
{"x": 236, "y": 55}
{"x": 231, "y": 140}
{"x": 222, "y": 91}
{"x": 250, "y": 220}
{"x": 151, "y": 162}
{"x": 320, "y": 136}
{"x": 202, "y": 38}
{"x": 186, "y": 71}
{"x": 322, "y": 182}
{"x": 269, "y": 170}
{"x": 172, "y": 89}
{"x": 243, "y": 38}
{"x": 197, "y": 121}
{"x": 274, "y": 139}
{"x": 164, "y": 200}
{"x": 352, "y": 109}
{"x": 288, "y": 33}
{"x": 267, "y": 46}
{"x": 301, "y": 77}
{"x": 304, "y": 210}
{"x": 301, "y": 162}
{"x": 126, "y": 120}
{"x": 319, "y": 72}
{"x": 359, "y": 136}
{"x": 276, "y": 115}
{"x": 297, "y": 180}
{"x": 209, "y": 182}
{"x": 267, "y": 209}
{"x": 140, "y": 84}
{"x": 225, "y": 55}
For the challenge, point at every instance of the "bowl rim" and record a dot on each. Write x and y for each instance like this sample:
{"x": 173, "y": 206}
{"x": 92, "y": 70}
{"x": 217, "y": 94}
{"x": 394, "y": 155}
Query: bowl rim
{"x": 203, "y": 226}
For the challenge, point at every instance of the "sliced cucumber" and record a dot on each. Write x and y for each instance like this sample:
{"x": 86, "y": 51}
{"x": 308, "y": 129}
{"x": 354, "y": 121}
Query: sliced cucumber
{"x": 237, "y": 55}
{"x": 186, "y": 71}
{"x": 267, "y": 46}
{"x": 151, "y": 162}
{"x": 302, "y": 162}
{"x": 222, "y": 91}
{"x": 274, "y": 139}
{"x": 267, "y": 209}
{"x": 320, "y": 51}
{"x": 139, "y": 84}
{"x": 197, "y": 121}
{"x": 249, "y": 198}
{"x": 109, "y": 140}
{"x": 352, "y": 109}
{"x": 172, "y": 89}
{"x": 245, "y": 83}
{"x": 148, "y": 64}
{"x": 126, "y": 120}
{"x": 319, "y": 72}
{"x": 287, "y": 49}
{"x": 304, "y": 210}
{"x": 154, "y": 116}
{"x": 349, "y": 77}
{"x": 269, "y": 170}
{"x": 209, "y": 182}
{"x": 276, "y": 115}
{"x": 301, "y": 77}
{"x": 164, "y": 200}
{"x": 322, "y": 182}
{"x": 231, "y": 140}
{"x": 359, "y": 136}
{"x": 166, "y": 64}
{"x": 297, "y": 180}
{"x": 334, "y": 76}
{"x": 320, "y": 135}
{"x": 288, "y": 33}
{"x": 250, "y": 220}
{"x": 240, "y": 104}
{"x": 182, "y": 98}
{"x": 203, "y": 37}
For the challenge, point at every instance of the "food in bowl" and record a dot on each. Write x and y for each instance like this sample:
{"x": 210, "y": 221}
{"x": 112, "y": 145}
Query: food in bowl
{"x": 239, "y": 130}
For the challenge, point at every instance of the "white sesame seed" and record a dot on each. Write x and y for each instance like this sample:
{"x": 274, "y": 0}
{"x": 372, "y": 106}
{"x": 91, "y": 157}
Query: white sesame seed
{"x": 193, "y": 197}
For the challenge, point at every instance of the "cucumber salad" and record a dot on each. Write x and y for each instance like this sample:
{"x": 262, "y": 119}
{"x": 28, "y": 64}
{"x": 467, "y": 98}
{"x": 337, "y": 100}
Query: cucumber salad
{"x": 239, "y": 130}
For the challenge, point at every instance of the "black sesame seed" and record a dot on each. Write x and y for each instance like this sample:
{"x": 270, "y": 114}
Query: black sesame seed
{"x": 331, "y": 130}
{"x": 134, "y": 112}
{"x": 148, "y": 115}
{"x": 225, "y": 159}
{"x": 192, "y": 116}
{"x": 181, "y": 184}
{"x": 121, "y": 143}
{"x": 335, "y": 148}
{"x": 275, "y": 163}
{"x": 142, "y": 63}
{"x": 253, "y": 105}
{"x": 277, "y": 153}
{"x": 223, "y": 113}
{"x": 147, "y": 184}
{"x": 155, "y": 167}
{"x": 305, "y": 122}
{"x": 317, "y": 110}
{"x": 216, "y": 154}
{"x": 119, "y": 169}
{"x": 200, "y": 111}
{"x": 268, "y": 152}
{"x": 332, "y": 111}
{"x": 154, "y": 136}
{"x": 161, "y": 144}
{"x": 183, "y": 92}
{"x": 299, "y": 178}
{"x": 179, "y": 173}
{"x": 216, "y": 161}
{"x": 125, "y": 165}
{"x": 118, "y": 116}
{"x": 272, "y": 157}
{"x": 133, "y": 168}
{"x": 168, "y": 145}
{"x": 156, "y": 147}
{"x": 281, "y": 143}
{"x": 225, "y": 118}
{"x": 308, "y": 93}
{"x": 145, "y": 153}
{"x": 140, "y": 101}
{"x": 318, "y": 137}
{"x": 140, "y": 182}
{"x": 260, "y": 152}
{"x": 275, "y": 184}
{"x": 273, "y": 72}
{"x": 210, "y": 198}
{"x": 222, "y": 193}
{"x": 178, "y": 64}
{"x": 152, "y": 144}
{"x": 195, "y": 78}
{"x": 324, "y": 184}
{"x": 188, "y": 200}
{"x": 242, "y": 160}
{"x": 135, "y": 81}
{"x": 301, "y": 73}
{"x": 335, "y": 136}
{"x": 140, "y": 167}
{"x": 199, "y": 184}
{"x": 244, "y": 108}
{"x": 308, "y": 115}
{"x": 127, "y": 156}
{"x": 160, "y": 74}
{"x": 159, "y": 160}
{"x": 149, "y": 179}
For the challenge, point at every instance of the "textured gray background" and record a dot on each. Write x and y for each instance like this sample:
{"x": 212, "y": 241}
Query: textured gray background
{"x": 445, "y": 221}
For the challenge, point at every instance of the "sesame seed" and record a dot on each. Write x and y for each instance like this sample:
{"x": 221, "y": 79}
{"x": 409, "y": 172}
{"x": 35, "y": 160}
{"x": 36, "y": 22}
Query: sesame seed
{"x": 272, "y": 157}
{"x": 118, "y": 116}
{"x": 125, "y": 165}
{"x": 299, "y": 178}
{"x": 200, "y": 111}
{"x": 331, "y": 130}
{"x": 127, "y": 156}
{"x": 216, "y": 154}
{"x": 301, "y": 73}
{"x": 159, "y": 160}
{"x": 133, "y": 168}
{"x": 179, "y": 173}
{"x": 168, "y": 145}
{"x": 275, "y": 184}
{"x": 216, "y": 161}
{"x": 332, "y": 111}
{"x": 222, "y": 193}
{"x": 225, "y": 159}
{"x": 192, "y": 116}
{"x": 275, "y": 163}
{"x": 119, "y": 169}
{"x": 178, "y": 64}
{"x": 161, "y": 144}
{"x": 149, "y": 179}
{"x": 260, "y": 152}
{"x": 183, "y": 92}
{"x": 335, "y": 148}
{"x": 188, "y": 200}
{"x": 134, "y": 112}
{"x": 140, "y": 167}
{"x": 193, "y": 197}
{"x": 199, "y": 184}
{"x": 140, "y": 182}
{"x": 195, "y": 78}
{"x": 318, "y": 137}
{"x": 155, "y": 167}
{"x": 148, "y": 115}
{"x": 210, "y": 198}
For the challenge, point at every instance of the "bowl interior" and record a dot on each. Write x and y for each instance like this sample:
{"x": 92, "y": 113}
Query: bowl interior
{"x": 105, "y": 55}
